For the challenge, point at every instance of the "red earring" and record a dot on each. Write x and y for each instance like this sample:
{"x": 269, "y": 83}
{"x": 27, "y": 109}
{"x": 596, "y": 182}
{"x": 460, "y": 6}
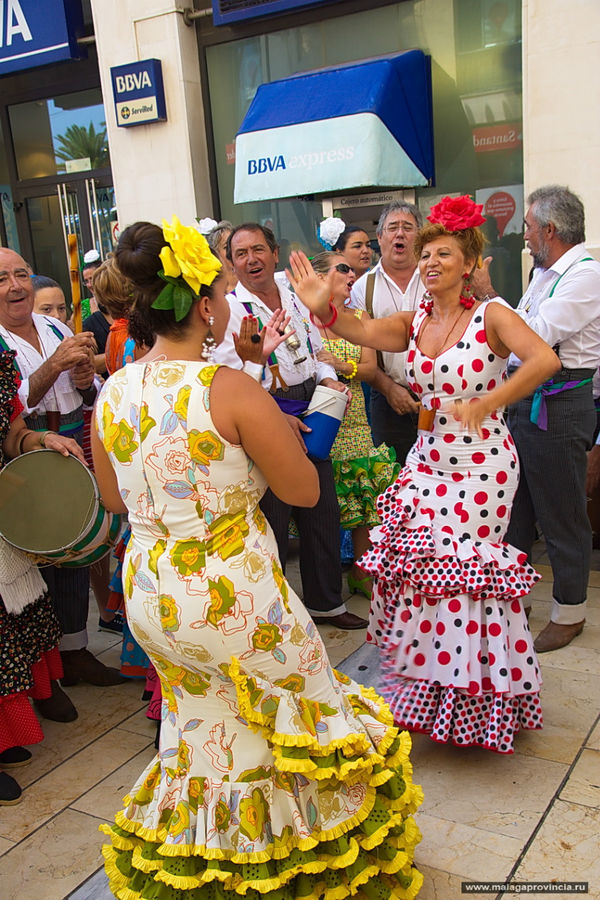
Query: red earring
{"x": 466, "y": 297}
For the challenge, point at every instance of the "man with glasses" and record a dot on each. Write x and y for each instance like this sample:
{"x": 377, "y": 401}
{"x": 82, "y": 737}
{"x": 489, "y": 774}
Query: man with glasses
{"x": 291, "y": 376}
{"x": 393, "y": 285}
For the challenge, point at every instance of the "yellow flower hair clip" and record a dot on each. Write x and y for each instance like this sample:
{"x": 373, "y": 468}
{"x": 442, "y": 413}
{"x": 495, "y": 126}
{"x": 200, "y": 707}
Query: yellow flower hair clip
{"x": 188, "y": 263}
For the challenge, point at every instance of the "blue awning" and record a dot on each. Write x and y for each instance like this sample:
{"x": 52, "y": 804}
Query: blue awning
{"x": 360, "y": 125}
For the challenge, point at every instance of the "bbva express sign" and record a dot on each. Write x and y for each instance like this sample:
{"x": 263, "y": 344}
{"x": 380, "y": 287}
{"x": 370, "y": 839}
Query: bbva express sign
{"x": 321, "y": 157}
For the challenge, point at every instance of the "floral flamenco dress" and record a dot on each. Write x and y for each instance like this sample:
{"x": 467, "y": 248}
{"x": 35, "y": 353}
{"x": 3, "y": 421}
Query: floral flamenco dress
{"x": 458, "y": 658}
{"x": 361, "y": 470}
{"x": 276, "y": 777}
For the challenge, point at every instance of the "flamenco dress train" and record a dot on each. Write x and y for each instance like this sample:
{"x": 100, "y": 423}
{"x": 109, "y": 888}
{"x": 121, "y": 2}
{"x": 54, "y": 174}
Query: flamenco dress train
{"x": 276, "y": 777}
{"x": 458, "y": 657}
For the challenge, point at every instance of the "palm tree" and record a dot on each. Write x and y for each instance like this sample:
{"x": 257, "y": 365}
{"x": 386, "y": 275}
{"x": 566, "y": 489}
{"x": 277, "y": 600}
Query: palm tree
{"x": 79, "y": 142}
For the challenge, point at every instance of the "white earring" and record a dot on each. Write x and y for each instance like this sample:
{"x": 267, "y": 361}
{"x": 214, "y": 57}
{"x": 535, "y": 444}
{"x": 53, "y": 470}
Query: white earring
{"x": 209, "y": 343}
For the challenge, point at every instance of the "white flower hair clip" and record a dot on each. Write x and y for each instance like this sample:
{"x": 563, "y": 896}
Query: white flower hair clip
{"x": 205, "y": 226}
{"x": 330, "y": 230}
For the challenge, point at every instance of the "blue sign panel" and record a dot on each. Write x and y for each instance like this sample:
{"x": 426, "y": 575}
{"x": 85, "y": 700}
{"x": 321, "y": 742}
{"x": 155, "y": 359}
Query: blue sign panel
{"x": 226, "y": 11}
{"x": 35, "y": 34}
{"x": 138, "y": 93}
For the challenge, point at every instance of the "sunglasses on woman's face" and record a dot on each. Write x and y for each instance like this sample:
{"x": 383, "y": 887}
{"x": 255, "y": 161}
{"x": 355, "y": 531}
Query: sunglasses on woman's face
{"x": 344, "y": 268}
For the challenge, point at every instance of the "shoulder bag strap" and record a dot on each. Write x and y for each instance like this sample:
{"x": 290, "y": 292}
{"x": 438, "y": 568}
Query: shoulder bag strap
{"x": 370, "y": 289}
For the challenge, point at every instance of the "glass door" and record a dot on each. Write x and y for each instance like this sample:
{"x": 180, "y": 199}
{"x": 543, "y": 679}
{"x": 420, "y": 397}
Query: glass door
{"x": 102, "y": 214}
{"x": 51, "y": 217}
{"x": 85, "y": 207}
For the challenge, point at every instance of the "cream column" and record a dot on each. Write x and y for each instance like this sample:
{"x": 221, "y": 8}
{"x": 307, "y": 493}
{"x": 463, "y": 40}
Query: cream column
{"x": 160, "y": 168}
{"x": 561, "y": 100}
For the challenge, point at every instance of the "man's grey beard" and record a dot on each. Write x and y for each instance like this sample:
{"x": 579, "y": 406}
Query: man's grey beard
{"x": 541, "y": 257}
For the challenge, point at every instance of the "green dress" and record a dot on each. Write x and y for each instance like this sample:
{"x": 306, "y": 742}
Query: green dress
{"x": 362, "y": 471}
{"x": 277, "y": 776}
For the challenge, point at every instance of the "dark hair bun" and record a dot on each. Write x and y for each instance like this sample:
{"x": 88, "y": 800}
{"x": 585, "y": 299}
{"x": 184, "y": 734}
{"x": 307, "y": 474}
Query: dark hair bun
{"x": 138, "y": 250}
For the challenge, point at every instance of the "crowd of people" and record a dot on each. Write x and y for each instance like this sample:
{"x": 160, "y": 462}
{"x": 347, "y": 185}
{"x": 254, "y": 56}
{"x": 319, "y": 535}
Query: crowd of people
{"x": 274, "y": 773}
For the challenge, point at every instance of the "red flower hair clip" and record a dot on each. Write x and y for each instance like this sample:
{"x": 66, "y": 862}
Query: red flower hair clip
{"x": 457, "y": 213}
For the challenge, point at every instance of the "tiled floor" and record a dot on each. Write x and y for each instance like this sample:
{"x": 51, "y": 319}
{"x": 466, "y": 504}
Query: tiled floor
{"x": 534, "y": 816}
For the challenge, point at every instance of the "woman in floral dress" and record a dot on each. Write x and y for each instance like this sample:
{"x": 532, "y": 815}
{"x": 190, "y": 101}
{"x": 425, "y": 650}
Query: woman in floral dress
{"x": 459, "y": 662}
{"x": 362, "y": 471}
{"x": 276, "y": 776}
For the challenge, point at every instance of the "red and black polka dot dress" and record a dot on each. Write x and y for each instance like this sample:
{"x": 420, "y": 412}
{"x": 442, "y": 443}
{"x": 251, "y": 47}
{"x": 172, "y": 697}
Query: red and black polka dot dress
{"x": 459, "y": 662}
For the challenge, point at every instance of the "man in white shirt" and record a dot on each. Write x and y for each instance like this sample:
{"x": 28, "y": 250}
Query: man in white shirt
{"x": 554, "y": 429}
{"x": 57, "y": 378}
{"x": 291, "y": 377}
{"x": 393, "y": 285}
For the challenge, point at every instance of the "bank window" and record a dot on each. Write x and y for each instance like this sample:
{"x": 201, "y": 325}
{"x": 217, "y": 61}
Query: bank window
{"x": 475, "y": 50}
{"x": 60, "y": 135}
{"x": 8, "y": 224}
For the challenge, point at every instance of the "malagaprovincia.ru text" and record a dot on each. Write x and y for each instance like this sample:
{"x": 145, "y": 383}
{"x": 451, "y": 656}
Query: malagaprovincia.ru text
{"x": 525, "y": 887}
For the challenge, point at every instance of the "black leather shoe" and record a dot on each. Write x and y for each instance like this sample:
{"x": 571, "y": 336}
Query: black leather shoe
{"x": 15, "y": 757}
{"x": 58, "y": 707}
{"x": 347, "y": 621}
{"x": 10, "y": 792}
{"x": 81, "y": 665}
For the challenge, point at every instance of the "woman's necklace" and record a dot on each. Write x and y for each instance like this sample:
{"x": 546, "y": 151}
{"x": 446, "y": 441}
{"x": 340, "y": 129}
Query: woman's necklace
{"x": 445, "y": 341}
{"x": 427, "y": 416}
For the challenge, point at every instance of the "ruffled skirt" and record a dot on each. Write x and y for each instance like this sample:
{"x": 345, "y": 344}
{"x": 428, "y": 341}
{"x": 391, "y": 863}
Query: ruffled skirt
{"x": 19, "y": 726}
{"x": 25, "y": 638}
{"x": 458, "y": 657}
{"x": 329, "y": 817}
{"x": 358, "y": 483}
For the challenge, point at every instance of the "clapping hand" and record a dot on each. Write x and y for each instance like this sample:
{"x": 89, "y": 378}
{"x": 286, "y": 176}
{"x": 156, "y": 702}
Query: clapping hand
{"x": 275, "y": 333}
{"x": 256, "y": 346}
{"x": 314, "y": 291}
{"x": 83, "y": 372}
{"x": 72, "y": 350}
{"x": 249, "y": 343}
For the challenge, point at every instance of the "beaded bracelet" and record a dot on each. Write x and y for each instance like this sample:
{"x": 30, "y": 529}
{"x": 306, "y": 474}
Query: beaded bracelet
{"x": 351, "y": 375}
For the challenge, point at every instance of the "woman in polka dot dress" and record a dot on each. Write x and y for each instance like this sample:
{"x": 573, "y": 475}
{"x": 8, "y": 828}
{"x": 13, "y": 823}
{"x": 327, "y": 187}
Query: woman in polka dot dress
{"x": 459, "y": 662}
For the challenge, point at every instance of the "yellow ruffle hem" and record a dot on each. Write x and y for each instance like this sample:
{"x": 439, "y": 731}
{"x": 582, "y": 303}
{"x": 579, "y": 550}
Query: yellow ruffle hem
{"x": 330, "y": 818}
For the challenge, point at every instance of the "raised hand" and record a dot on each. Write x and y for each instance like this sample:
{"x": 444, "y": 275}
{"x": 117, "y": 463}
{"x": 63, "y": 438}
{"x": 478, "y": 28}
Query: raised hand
{"x": 275, "y": 333}
{"x": 481, "y": 280}
{"x": 247, "y": 347}
{"x": 315, "y": 292}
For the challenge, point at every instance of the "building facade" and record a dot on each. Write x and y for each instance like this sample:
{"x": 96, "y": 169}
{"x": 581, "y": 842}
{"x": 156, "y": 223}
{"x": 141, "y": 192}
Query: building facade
{"x": 514, "y": 90}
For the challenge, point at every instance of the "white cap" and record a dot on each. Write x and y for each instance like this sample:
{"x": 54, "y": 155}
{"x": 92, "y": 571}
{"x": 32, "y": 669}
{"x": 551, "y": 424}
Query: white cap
{"x": 91, "y": 256}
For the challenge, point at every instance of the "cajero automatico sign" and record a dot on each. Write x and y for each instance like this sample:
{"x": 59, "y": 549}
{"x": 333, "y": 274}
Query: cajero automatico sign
{"x": 138, "y": 93}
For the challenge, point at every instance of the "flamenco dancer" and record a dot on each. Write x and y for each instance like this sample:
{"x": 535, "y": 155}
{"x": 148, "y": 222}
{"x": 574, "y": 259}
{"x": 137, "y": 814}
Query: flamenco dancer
{"x": 276, "y": 776}
{"x": 459, "y": 662}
